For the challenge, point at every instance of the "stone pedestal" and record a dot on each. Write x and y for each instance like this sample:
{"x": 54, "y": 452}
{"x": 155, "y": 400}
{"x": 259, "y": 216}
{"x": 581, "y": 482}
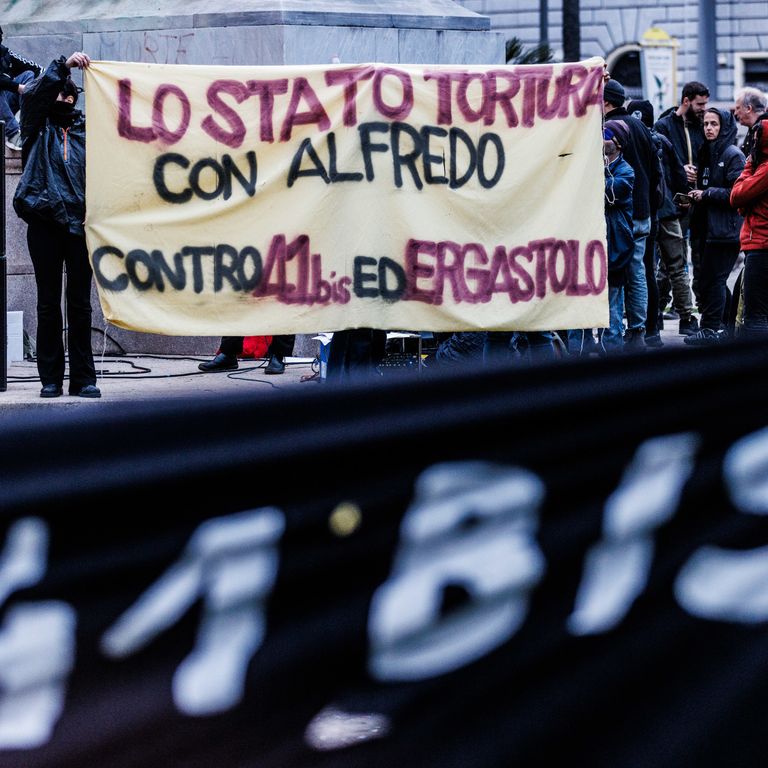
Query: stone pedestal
{"x": 250, "y": 32}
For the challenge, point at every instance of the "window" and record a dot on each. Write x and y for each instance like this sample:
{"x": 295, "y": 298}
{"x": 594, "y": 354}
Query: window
{"x": 751, "y": 69}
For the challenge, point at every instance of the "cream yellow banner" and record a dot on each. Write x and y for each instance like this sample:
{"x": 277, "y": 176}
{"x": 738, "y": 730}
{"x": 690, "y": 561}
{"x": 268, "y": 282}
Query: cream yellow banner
{"x": 262, "y": 200}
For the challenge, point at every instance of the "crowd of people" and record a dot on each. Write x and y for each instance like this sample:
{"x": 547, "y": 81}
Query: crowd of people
{"x": 683, "y": 202}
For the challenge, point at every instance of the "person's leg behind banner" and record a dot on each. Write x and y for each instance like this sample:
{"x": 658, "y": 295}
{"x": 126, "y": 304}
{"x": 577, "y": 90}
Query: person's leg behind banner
{"x": 230, "y": 347}
{"x": 280, "y": 347}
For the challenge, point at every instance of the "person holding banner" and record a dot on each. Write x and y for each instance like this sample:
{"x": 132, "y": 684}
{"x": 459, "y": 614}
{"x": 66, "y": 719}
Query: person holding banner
{"x": 50, "y": 198}
{"x": 232, "y": 346}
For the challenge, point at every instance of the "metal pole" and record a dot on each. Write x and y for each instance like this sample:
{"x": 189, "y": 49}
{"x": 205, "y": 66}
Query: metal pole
{"x": 3, "y": 271}
{"x": 571, "y": 30}
{"x": 543, "y": 22}
{"x": 707, "y": 45}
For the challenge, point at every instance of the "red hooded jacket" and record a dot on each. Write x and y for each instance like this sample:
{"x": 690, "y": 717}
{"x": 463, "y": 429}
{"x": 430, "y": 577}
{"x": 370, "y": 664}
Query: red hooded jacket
{"x": 750, "y": 196}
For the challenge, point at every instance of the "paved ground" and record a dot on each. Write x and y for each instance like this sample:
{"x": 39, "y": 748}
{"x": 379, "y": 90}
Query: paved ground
{"x": 140, "y": 378}
{"x": 129, "y": 378}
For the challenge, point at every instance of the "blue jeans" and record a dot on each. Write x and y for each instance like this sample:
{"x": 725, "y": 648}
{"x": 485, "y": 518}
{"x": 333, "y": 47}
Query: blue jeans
{"x": 612, "y": 338}
{"x": 525, "y": 347}
{"x": 609, "y": 339}
{"x": 10, "y": 103}
{"x": 636, "y": 289}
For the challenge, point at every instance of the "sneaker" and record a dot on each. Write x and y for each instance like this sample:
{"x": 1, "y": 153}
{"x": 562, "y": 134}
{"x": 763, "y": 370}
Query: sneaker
{"x": 670, "y": 314}
{"x": 705, "y": 337}
{"x": 14, "y": 142}
{"x": 688, "y": 326}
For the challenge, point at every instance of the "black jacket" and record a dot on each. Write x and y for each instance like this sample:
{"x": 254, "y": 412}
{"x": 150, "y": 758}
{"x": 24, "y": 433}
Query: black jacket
{"x": 641, "y": 155}
{"x": 675, "y": 179}
{"x": 673, "y": 127}
{"x": 52, "y": 184}
{"x": 749, "y": 139}
{"x": 12, "y": 65}
{"x": 719, "y": 163}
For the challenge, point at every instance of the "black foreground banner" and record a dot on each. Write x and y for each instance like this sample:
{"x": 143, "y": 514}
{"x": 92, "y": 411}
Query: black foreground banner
{"x": 566, "y": 563}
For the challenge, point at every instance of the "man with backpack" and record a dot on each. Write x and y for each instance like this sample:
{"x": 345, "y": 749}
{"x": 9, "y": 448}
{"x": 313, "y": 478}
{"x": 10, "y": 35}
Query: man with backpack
{"x": 671, "y": 252}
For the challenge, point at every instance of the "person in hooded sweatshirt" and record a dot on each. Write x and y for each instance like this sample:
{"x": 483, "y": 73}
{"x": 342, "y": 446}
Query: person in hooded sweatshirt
{"x": 50, "y": 198}
{"x": 714, "y": 222}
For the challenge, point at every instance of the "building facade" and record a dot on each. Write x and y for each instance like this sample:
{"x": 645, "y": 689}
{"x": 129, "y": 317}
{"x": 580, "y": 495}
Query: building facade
{"x": 248, "y": 32}
{"x": 721, "y": 43}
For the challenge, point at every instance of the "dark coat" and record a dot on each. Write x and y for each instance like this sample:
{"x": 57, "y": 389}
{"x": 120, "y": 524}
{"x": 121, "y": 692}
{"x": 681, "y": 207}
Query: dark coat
{"x": 641, "y": 156}
{"x": 52, "y": 184}
{"x": 673, "y": 127}
{"x": 675, "y": 179}
{"x": 12, "y": 65}
{"x": 749, "y": 140}
{"x": 719, "y": 163}
{"x": 619, "y": 181}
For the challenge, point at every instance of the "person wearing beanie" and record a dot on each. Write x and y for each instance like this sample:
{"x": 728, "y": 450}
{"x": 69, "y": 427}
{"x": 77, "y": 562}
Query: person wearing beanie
{"x": 641, "y": 156}
{"x": 618, "y": 132}
{"x": 614, "y": 93}
{"x": 642, "y": 109}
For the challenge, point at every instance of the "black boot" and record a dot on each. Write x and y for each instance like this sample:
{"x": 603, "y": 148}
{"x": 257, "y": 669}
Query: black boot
{"x": 221, "y": 362}
{"x": 275, "y": 365}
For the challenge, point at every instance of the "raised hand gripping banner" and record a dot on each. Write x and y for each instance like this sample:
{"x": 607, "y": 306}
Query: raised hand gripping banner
{"x": 560, "y": 566}
{"x": 241, "y": 200}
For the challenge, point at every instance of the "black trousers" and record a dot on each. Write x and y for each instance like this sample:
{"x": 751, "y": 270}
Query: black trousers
{"x": 355, "y": 353}
{"x": 52, "y": 249}
{"x": 649, "y": 262}
{"x": 756, "y": 294}
{"x": 280, "y": 346}
{"x": 717, "y": 260}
